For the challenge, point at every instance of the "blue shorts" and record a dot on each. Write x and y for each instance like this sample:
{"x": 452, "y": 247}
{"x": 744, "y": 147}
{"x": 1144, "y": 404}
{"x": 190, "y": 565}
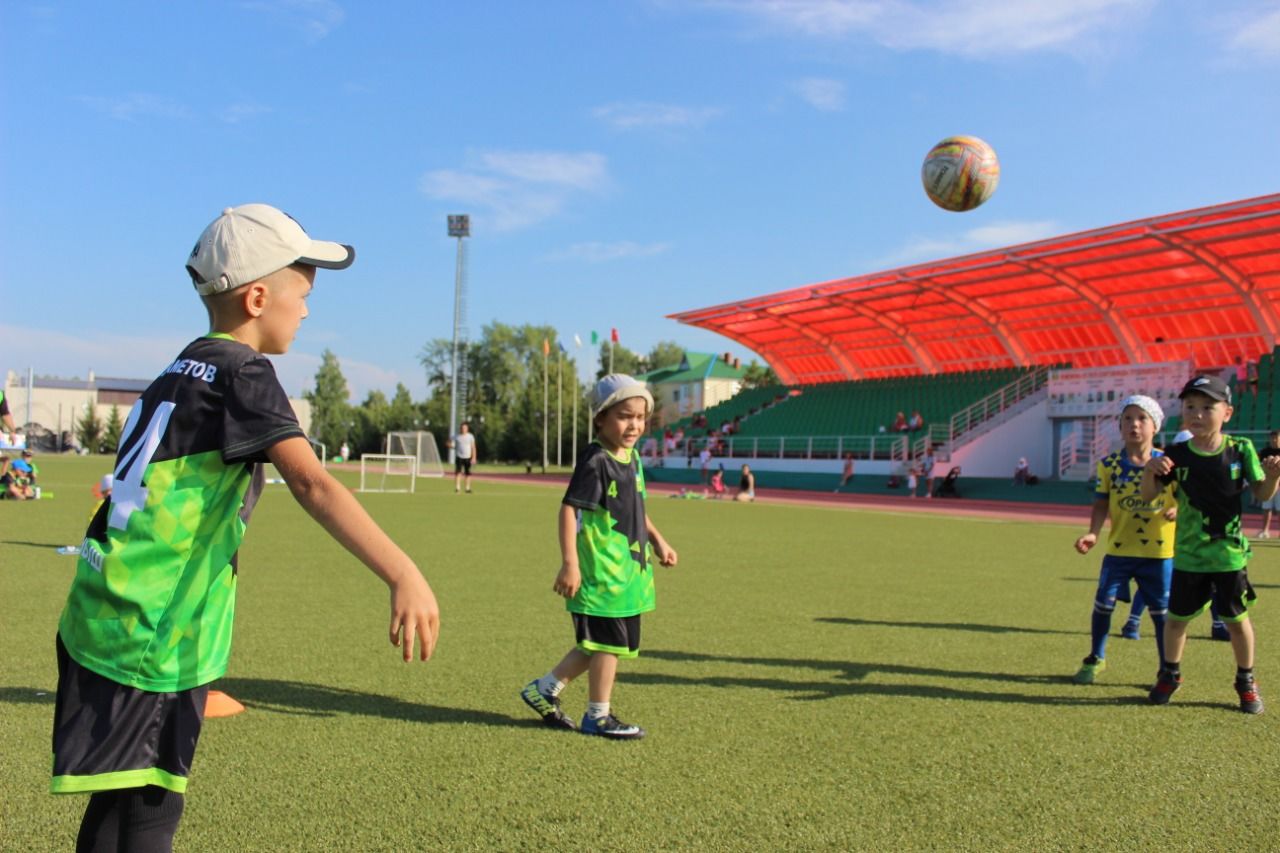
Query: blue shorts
{"x": 1153, "y": 574}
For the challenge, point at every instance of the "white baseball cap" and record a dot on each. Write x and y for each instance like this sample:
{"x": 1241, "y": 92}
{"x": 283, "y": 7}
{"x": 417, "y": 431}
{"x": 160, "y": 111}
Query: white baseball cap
{"x": 249, "y": 242}
{"x": 1148, "y": 405}
{"x": 615, "y": 388}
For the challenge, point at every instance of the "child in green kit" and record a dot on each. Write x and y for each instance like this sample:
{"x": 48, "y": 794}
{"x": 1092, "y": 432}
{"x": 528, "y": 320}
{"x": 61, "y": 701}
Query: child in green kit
{"x": 605, "y": 573}
{"x": 148, "y": 620}
{"x": 1210, "y": 474}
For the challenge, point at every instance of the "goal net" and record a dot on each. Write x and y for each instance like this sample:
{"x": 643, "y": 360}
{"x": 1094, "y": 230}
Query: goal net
{"x": 421, "y": 445}
{"x": 387, "y": 472}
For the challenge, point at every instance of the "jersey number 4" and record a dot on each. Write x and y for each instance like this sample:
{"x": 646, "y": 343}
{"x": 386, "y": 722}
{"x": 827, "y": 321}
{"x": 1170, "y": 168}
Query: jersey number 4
{"x": 129, "y": 494}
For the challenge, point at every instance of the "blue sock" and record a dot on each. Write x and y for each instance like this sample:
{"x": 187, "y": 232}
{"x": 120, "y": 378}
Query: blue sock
{"x": 1100, "y": 625}
{"x": 1138, "y": 607}
{"x": 1157, "y": 622}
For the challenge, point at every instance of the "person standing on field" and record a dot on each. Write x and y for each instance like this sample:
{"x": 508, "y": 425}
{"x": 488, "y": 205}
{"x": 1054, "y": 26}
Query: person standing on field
{"x": 464, "y": 454}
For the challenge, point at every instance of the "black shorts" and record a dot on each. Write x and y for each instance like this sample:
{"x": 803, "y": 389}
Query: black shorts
{"x": 1191, "y": 592}
{"x": 108, "y": 736}
{"x": 617, "y": 635}
{"x": 462, "y": 466}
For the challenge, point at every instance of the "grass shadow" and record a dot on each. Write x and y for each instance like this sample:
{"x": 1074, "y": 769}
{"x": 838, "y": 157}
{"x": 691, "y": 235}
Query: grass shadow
{"x": 943, "y": 626}
{"x": 851, "y": 678}
{"x": 316, "y": 700}
{"x": 27, "y": 695}
{"x": 26, "y": 544}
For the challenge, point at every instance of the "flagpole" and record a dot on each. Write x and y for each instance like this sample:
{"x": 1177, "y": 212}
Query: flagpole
{"x": 611, "y": 355}
{"x": 559, "y": 406}
{"x": 577, "y": 391}
{"x": 546, "y": 354}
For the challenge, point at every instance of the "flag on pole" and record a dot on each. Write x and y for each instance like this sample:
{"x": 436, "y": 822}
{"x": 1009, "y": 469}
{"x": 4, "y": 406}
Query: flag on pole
{"x": 577, "y": 340}
{"x": 595, "y": 339}
{"x": 613, "y": 335}
{"x": 546, "y": 348}
{"x": 562, "y": 349}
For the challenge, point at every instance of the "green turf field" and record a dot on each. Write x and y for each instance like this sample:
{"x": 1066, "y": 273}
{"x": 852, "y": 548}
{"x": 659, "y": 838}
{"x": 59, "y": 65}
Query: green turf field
{"x": 812, "y": 679}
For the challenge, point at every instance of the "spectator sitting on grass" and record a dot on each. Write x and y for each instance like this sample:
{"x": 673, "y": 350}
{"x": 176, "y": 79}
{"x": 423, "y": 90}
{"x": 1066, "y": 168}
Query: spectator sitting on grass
{"x": 746, "y": 486}
{"x": 9, "y": 486}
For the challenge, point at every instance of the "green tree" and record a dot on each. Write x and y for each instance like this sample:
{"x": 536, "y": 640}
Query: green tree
{"x": 330, "y": 410}
{"x": 504, "y": 399}
{"x": 665, "y": 354}
{"x": 758, "y": 375}
{"x": 624, "y": 360}
{"x": 111, "y": 436}
{"x": 402, "y": 414}
{"x": 89, "y": 429}
{"x": 370, "y": 418}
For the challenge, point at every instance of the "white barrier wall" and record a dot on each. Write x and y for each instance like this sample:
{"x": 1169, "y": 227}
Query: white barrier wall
{"x": 1029, "y": 434}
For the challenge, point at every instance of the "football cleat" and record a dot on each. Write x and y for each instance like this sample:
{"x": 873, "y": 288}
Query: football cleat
{"x": 547, "y": 707}
{"x": 611, "y": 727}
{"x": 1166, "y": 685}
{"x": 1089, "y": 670}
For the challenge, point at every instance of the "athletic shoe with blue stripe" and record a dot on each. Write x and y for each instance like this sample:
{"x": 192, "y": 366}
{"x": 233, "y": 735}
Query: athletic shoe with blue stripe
{"x": 611, "y": 727}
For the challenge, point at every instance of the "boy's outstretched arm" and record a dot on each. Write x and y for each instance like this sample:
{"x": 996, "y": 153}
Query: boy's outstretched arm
{"x": 1097, "y": 516}
{"x": 414, "y": 612}
{"x": 666, "y": 554}
{"x": 1265, "y": 489}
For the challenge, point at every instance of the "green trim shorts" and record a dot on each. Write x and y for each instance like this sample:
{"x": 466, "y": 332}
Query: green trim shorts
{"x": 615, "y": 635}
{"x": 108, "y": 736}
{"x": 1191, "y": 592}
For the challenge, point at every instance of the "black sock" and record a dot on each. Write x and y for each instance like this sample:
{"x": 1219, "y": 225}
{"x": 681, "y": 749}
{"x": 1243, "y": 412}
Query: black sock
{"x": 1244, "y": 673}
{"x": 1174, "y": 668}
{"x": 151, "y": 819}
{"x": 100, "y": 826}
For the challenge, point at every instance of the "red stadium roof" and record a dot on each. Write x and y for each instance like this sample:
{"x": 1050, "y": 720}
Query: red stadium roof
{"x": 1202, "y": 285}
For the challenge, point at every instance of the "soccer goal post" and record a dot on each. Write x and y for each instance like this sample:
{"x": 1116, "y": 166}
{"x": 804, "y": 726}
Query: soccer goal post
{"x": 388, "y": 472}
{"x": 421, "y": 445}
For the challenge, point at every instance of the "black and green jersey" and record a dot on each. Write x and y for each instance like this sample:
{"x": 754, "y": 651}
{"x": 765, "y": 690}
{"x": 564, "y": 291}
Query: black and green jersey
{"x": 613, "y": 542}
{"x": 153, "y": 598}
{"x": 1210, "y": 489}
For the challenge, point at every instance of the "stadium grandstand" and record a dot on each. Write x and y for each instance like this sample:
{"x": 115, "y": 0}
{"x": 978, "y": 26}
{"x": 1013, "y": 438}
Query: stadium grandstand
{"x": 1011, "y": 352}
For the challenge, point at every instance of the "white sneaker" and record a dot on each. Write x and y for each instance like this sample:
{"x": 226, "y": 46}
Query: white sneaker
{"x": 1262, "y": 534}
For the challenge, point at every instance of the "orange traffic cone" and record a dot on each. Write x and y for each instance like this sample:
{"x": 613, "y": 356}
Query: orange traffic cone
{"x": 219, "y": 704}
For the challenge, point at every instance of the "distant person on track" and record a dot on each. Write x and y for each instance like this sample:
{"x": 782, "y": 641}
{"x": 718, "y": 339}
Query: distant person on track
{"x": 464, "y": 455}
{"x": 846, "y": 474}
{"x": 746, "y": 486}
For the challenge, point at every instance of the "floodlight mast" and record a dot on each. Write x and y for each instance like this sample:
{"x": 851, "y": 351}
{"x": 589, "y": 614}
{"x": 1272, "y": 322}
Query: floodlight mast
{"x": 459, "y": 227}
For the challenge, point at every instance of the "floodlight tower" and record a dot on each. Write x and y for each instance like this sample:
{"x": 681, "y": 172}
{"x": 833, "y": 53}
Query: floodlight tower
{"x": 460, "y": 227}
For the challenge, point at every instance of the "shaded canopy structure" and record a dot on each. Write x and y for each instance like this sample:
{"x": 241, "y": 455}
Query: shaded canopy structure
{"x": 1201, "y": 285}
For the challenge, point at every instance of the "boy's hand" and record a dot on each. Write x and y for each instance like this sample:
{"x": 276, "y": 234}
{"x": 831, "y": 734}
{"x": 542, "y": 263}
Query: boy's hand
{"x": 666, "y": 555}
{"x": 568, "y": 579}
{"x": 1086, "y": 542}
{"x": 1271, "y": 467}
{"x": 1161, "y": 465}
{"x": 1171, "y": 514}
{"x": 415, "y": 614}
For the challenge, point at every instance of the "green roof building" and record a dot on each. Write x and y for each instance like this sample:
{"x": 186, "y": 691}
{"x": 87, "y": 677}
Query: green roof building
{"x": 698, "y": 382}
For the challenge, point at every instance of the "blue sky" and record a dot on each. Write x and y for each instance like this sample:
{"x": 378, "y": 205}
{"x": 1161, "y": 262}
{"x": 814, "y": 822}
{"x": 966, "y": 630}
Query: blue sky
{"x": 620, "y": 160}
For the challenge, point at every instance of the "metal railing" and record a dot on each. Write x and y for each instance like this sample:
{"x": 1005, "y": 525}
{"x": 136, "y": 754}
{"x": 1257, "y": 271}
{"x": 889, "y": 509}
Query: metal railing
{"x": 894, "y": 447}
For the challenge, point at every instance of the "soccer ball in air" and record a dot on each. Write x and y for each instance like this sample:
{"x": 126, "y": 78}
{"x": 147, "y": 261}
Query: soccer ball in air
{"x": 960, "y": 173}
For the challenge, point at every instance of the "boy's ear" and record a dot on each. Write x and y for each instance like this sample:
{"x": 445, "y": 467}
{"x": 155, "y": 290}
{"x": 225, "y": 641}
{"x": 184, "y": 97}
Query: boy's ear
{"x": 255, "y": 299}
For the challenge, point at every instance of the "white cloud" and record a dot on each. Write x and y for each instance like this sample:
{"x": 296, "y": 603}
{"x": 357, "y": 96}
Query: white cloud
{"x": 517, "y": 189}
{"x": 995, "y": 235}
{"x": 821, "y": 94}
{"x": 1256, "y": 36}
{"x": 315, "y": 19}
{"x": 974, "y": 28}
{"x": 602, "y": 252}
{"x": 136, "y": 104}
{"x": 637, "y": 115}
{"x": 236, "y": 113}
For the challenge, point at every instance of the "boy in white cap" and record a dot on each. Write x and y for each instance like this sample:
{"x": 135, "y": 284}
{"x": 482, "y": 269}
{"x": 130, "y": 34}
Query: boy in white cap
{"x": 1210, "y": 474}
{"x": 148, "y": 621}
{"x": 605, "y": 538}
{"x": 1140, "y": 546}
